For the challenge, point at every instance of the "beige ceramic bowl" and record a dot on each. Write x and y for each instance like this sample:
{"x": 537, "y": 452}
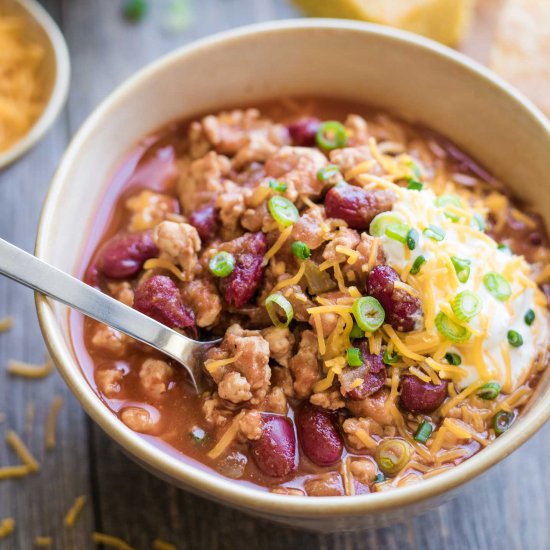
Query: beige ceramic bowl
{"x": 54, "y": 72}
{"x": 396, "y": 71}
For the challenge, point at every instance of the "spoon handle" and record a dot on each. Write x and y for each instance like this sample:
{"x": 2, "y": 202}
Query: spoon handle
{"x": 50, "y": 281}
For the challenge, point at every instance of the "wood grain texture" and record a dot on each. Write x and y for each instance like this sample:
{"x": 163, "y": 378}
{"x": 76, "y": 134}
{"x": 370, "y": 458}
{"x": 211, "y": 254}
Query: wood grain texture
{"x": 508, "y": 508}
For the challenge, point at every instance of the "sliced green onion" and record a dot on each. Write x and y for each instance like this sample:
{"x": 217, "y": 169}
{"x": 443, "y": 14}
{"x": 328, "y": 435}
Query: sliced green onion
{"x": 331, "y": 135}
{"x": 398, "y": 232}
{"x": 356, "y": 332}
{"x": 369, "y": 313}
{"x": 435, "y": 233}
{"x": 327, "y": 173}
{"x": 222, "y": 264}
{"x": 515, "y": 339}
{"x": 529, "y": 317}
{"x": 300, "y": 250}
{"x": 279, "y": 186}
{"x": 454, "y": 200}
{"x": 489, "y": 391}
{"x": 478, "y": 222}
{"x": 135, "y": 10}
{"x": 497, "y": 285}
{"x": 504, "y": 248}
{"x": 392, "y": 455}
{"x": 380, "y": 478}
{"x": 415, "y": 169}
{"x": 381, "y": 221}
{"x": 502, "y": 421}
{"x": 462, "y": 268}
{"x": 353, "y": 357}
{"x": 388, "y": 359}
{"x": 197, "y": 434}
{"x": 423, "y": 432}
{"x": 283, "y": 211}
{"x": 466, "y": 304}
{"x": 278, "y": 300}
{"x": 412, "y": 239}
{"x": 451, "y": 330}
{"x": 453, "y": 358}
{"x": 418, "y": 263}
{"x": 415, "y": 185}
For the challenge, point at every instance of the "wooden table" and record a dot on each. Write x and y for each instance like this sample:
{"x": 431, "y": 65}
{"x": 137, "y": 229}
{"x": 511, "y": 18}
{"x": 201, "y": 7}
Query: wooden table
{"x": 509, "y": 508}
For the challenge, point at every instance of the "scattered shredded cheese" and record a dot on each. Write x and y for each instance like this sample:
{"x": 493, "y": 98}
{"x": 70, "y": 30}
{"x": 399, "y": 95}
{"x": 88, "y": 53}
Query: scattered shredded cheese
{"x": 22, "y": 451}
{"x": 292, "y": 280}
{"x": 43, "y": 542}
{"x": 226, "y": 439}
{"x": 285, "y": 234}
{"x": 6, "y": 324}
{"x": 7, "y": 526}
{"x": 112, "y": 542}
{"x": 213, "y": 366}
{"x": 51, "y": 420}
{"x": 29, "y": 370}
{"x": 157, "y": 263}
{"x": 74, "y": 511}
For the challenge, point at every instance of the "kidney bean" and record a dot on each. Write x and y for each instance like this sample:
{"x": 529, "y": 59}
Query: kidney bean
{"x": 318, "y": 435}
{"x": 356, "y": 206}
{"x": 160, "y": 299}
{"x": 422, "y": 397}
{"x": 275, "y": 452}
{"x": 205, "y": 221}
{"x": 123, "y": 255}
{"x": 373, "y": 373}
{"x": 402, "y": 309}
{"x": 243, "y": 282}
{"x": 303, "y": 131}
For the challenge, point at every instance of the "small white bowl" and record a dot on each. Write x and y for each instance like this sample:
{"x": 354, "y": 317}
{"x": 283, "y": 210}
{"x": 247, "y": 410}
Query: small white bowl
{"x": 55, "y": 69}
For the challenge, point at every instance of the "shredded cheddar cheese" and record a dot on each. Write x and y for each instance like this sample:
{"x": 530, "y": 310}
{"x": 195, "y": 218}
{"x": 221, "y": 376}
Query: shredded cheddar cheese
{"x": 229, "y": 435}
{"x": 51, "y": 419}
{"x": 22, "y": 451}
{"x": 292, "y": 280}
{"x": 75, "y": 511}
{"x": 7, "y": 527}
{"x": 214, "y": 365}
{"x": 111, "y": 542}
{"x": 156, "y": 263}
{"x": 6, "y": 324}
{"x": 283, "y": 237}
{"x": 29, "y": 370}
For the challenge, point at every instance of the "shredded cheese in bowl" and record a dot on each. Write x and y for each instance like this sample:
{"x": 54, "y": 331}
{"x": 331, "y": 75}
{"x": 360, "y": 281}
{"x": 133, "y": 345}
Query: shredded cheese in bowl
{"x": 21, "y": 85}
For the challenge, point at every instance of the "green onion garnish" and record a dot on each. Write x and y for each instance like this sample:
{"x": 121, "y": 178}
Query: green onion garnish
{"x": 380, "y": 478}
{"x": 278, "y": 300}
{"x": 398, "y": 232}
{"x": 392, "y": 455}
{"x": 418, "y": 263}
{"x": 454, "y": 200}
{"x": 478, "y": 222}
{"x": 369, "y": 313}
{"x": 415, "y": 169}
{"x": 283, "y": 211}
{"x": 497, "y": 285}
{"x": 135, "y": 10}
{"x": 415, "y": 185}
{"x": 451, "y": 330}
{"x": 466, "y": 304}
{"x": 331, "y": 135}
{"x": 412, "y": 239}
{"x": 504, "y": 248}
{"x": 381, "y": 221}
{"x": 515, "y": 339}
{"x": 435, "y": 233}
{"x": 529, "y": 317}
{"x": 222, "y": 264}
{"x": 388, "y": 359}
{"x": 462, "y": 268}
{"x": 423, "y": 432}
{"x": 489, "y": 391}
{"x": 198, "y": 435}
{"x": 453, "y": 358}
{"x": 356, "y": 332}
{"x": 502, "y": 421}
{"x": 327, "y": 172}
{"x": 300, "y": 250}
{"x": 278, "y": 186}
{"x": 353, "y": 357}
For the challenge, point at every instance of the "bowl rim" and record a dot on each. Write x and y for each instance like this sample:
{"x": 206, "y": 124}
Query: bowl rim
{"x": 60, "y": 89}
{"x": 201, "y": 480}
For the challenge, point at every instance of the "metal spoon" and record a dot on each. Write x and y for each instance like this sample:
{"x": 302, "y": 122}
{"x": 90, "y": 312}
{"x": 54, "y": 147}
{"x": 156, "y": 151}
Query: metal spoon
{"x": 50, "y": 281}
